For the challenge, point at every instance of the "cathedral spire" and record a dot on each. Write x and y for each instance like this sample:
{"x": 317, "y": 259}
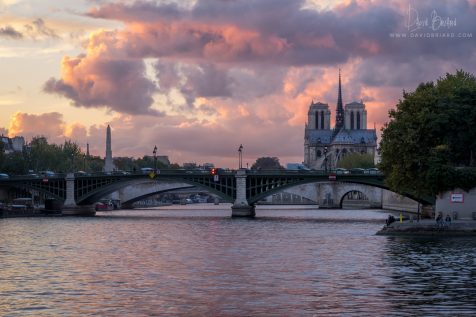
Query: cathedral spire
{"x": 340, "y": 108}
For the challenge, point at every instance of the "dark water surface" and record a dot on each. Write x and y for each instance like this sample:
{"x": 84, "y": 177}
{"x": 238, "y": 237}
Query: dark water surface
{"x": 200, "y": 262}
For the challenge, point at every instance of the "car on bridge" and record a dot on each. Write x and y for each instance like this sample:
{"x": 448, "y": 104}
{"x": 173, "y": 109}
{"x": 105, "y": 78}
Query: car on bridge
{"x": 82, "y": 173}
{"x": 47, "y": 173}
{"x": 340, "y": 170}
{"x": 357, "y": 170}
{"x": 120, "y": 172}
{"x": 372, "y": 171}
{"x": 146, "y": 170}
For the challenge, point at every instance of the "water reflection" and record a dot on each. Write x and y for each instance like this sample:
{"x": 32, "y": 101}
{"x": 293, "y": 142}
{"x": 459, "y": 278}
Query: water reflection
{"x": 203, "y": 263}
{"x": 432, "y": 274}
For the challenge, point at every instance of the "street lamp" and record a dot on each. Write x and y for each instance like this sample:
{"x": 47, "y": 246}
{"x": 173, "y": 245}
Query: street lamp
{"x": 325, "y": 159}
{"x": 240, "y": 156}
{"x": 72, "y": 162}
{"x": 155, "y": 158}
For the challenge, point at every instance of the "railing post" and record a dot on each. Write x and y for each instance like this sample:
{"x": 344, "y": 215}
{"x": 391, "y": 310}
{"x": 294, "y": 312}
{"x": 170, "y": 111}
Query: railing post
{"x": 241, "y": 208}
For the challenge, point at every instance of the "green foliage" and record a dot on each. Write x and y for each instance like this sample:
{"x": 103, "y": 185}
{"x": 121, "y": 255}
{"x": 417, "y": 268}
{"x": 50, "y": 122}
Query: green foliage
{"x": 356, "y": 160}
{"x": 431, "y": 134}
{"x": 94, "y": 164}
{"x": 39, "y": 155}
{"x": 267, "y": 163}
{"x": 14, "y": 163}
{"x": 2, "y": 155}
{"x": 148, "y": 161}
{"x": 174, "y": 166}
{"x": 124, "y": 163}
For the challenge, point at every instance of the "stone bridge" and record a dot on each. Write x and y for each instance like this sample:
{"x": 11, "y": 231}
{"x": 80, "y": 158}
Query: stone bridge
{"x": 243, "y": 188}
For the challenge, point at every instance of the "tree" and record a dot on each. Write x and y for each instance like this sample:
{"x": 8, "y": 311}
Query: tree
{"x": 267, "y": 163}
{"x": 14, "y": 163}
{"x": 430, "y": 141}
{"x": 124, "y": 163}
{"x": 354, "y": 160}
{"x": 2, "y": 154}
{"x": 38, "y": 155}
{"x": 71, "y": 154}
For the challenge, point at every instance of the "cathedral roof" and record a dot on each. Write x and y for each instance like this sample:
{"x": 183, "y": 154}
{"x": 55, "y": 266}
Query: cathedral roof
{"x": 319, "y": 136}
{"x": 367, "y": 136}
{"x": 315, "y": 137}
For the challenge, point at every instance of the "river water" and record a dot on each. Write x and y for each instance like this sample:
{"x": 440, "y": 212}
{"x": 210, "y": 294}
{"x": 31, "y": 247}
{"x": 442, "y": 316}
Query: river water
{"x": 197, "y": 261}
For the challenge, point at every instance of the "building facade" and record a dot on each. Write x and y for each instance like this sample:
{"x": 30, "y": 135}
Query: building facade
{"x": 14, "y": 144}
{"x": 323, "y": 146}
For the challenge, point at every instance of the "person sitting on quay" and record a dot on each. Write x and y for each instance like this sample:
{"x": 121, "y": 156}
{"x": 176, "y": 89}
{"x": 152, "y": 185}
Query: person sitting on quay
{"x": 390, "y": 219}
{"x": 447, "y": 220}
{"x": 439, "y": 220}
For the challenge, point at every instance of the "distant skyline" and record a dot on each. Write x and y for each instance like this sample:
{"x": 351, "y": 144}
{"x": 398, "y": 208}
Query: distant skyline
{"x": 199, "y": 78}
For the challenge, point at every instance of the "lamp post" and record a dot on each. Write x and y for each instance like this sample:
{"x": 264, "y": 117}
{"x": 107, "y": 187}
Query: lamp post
{"x": 72, "y": 162}
{"x": 155, "y": 158}
{"x": 240, "y": 156}
{"x": 325, "y": 159}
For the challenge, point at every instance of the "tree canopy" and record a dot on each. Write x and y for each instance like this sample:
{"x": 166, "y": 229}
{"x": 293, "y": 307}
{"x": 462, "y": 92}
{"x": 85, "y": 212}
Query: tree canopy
{"x": 356, "y": 160}
{"x": 39, "y": 155}
{"x": 429, "y": 144}
{"x": 267, "y": 163}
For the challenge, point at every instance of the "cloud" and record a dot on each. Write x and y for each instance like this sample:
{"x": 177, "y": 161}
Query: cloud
{"x": 115, "y": 83}
{"x": 202, "y": 48}
{"x": 50, "y": 125}
{"x": 231, "y": 72}
{"x": 38, "y": 28}
{"x": 31, "y": 125}
{"x": 277, "y": 31}
{"x": 193, "y": 80}
{"x": 10, "y": 32}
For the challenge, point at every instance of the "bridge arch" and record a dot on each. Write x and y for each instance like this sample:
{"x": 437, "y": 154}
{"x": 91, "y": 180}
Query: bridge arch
{"x": 362, "y": 197}
{"x": 132, "y": 193}
{"x": 151, "y": 187}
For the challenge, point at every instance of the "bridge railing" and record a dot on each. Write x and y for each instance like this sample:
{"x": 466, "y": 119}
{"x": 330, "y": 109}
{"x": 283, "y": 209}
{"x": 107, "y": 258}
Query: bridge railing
{"x": 187, "y": 172}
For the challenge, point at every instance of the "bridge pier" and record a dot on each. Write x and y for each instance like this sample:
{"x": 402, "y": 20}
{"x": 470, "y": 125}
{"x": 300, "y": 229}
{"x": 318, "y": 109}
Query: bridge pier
{"x": 69, "y": 206}
{"x": 240, "y": 207}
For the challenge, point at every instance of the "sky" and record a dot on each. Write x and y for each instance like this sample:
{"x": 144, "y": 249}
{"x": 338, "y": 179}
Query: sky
{"x": 197, "y": 78}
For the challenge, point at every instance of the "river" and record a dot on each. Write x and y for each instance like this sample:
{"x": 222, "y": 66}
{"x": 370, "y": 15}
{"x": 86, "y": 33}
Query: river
{"x": 196, "y": 261}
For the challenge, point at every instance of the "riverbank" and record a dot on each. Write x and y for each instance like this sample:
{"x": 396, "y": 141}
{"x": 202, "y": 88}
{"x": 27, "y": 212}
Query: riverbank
{"x": 429, "y": 227}
{"x": 29, "y": 213}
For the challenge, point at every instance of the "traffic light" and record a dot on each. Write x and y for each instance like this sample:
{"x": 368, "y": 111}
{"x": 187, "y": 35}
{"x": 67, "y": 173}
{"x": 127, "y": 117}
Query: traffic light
{"x": 213, "y": 171}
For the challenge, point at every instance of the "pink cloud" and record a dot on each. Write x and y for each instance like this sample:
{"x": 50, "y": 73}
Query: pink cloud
{"x": 247, "y": 71}
{"x": 94, "y": 81}
{"x": 30, "y": 125}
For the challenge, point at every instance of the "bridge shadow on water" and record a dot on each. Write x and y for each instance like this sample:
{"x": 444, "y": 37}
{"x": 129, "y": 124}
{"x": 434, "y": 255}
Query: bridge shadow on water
{"x": 262, "y": 215}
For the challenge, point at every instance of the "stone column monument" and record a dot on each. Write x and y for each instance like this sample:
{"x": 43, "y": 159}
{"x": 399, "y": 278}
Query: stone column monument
{"x": 108, "y": 164}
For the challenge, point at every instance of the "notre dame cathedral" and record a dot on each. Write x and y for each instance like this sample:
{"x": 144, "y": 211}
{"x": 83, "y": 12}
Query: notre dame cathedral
{"x": 323, "y": 146}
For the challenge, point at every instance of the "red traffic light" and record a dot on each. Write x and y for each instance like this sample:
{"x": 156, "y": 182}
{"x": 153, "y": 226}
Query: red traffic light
{"x": 213, "y": 171}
